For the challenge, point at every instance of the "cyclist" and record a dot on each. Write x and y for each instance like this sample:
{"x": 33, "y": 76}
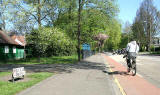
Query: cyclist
{"x": 132, "y": 50}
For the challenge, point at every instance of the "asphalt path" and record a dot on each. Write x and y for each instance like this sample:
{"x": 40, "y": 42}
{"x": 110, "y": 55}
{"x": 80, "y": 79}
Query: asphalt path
{"x": 102, "y": 75}
{"x": 87, "y": 77}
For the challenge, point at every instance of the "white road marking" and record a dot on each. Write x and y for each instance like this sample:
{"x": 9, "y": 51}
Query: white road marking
{"x": 139, "y": 75}
{"x": 139, "y": 64}
{"x": 137, "y": 60}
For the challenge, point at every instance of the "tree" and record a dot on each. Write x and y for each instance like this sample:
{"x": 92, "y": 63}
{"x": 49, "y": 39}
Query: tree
{"x": 114, "y": 33}
{"x": 124, "y": 40}
{"x": 79, "y": 27}
{"x": 127, "y": 30}
{"x": 29, "y": 14}
{"x": 35, "y": 12}
{"x": 3, "y": 15}
{"x": 91, "y": 19}
{"x": 146, "y": 23}
{"x": 139, "y": 34}
{"x": 105, "y": 7}
{"x": 101, "y": 38}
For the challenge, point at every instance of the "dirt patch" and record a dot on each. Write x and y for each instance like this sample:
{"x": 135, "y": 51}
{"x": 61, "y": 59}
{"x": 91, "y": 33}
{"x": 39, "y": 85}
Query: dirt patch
{"x": 8, "y": 78}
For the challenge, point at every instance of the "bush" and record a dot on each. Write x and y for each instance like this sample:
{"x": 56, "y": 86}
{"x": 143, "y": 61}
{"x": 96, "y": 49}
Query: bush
{"x": 49, "y": 42}
{"x": 157, "y": 49}
{"x": 152, "y": 48}
{"x": 143, "y": 49}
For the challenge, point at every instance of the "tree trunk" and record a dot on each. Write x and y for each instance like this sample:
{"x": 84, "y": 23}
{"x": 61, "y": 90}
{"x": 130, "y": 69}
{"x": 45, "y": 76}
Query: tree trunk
{"x": 70, "y": 11}
{"x": 39, "y": 13}
{"x": 99, "y": 48}
{"x": 79, "y": 27}
{"x": 38, "y": 59}
{"x": 149, "y": 37}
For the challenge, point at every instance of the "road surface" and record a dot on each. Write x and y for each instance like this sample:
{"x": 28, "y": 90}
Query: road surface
{"x": 85, "y": 78}
{"x": 102, "y": 74}
{"x": 148, "y": 67}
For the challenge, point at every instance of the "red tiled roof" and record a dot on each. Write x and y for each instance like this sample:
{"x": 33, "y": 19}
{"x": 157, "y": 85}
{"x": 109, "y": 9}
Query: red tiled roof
{"x": 5, "y": 39}
{"x": 19, "y": 40}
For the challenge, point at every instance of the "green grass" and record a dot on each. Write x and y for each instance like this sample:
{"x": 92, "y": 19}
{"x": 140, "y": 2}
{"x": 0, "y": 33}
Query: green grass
{"x": 158, "y": 52}
{"x": 9, "y": 88}
{"x": 152, "y": 53}
{"x": 48, "y": 60}
{"x": 59, "y": 60}
{"x": 4, "y": 73}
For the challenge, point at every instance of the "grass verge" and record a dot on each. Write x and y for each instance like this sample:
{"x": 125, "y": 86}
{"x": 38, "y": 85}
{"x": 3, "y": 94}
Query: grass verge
{"x": 158, "y": 52}
{"x": 4, "y": 73}
{"x": 48, "y": 60}
{"x": 9, "y": 88}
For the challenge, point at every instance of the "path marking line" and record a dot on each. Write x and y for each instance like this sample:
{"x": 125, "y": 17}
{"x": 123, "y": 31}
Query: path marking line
{"x": 139, "y": 75}
{"x": 120, "y": 87}
{"x": 117, "y": 82}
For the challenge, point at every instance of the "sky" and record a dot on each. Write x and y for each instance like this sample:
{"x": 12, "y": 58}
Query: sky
{"x": 128, "y": 9}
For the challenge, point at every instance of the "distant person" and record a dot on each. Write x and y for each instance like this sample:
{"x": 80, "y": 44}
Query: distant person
{"x": 132, "y": 50}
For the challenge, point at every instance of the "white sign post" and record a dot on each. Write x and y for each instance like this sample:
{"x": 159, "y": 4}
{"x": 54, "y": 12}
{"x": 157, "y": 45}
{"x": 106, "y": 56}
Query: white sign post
{"x": 18, "y": 72}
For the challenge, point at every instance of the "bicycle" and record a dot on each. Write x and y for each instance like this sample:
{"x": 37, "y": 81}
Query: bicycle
{"x": 131, "y": 63}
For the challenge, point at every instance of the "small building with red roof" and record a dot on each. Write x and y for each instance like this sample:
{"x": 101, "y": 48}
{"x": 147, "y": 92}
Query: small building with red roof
{"x": 11, "y": 47}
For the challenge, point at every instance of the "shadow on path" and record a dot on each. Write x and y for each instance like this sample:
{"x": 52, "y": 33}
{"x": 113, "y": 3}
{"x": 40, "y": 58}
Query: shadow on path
{"x": 124, "y": 73}
{"x": 56, "y": 68}
{"x": 93, "y": 62}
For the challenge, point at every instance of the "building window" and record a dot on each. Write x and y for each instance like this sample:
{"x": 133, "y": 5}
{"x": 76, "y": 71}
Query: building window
{"x": 14, "y": 49}
{"x": 6, "y": 49}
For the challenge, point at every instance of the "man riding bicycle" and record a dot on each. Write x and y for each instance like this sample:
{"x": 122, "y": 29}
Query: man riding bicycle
{"x": 132, "y": 50}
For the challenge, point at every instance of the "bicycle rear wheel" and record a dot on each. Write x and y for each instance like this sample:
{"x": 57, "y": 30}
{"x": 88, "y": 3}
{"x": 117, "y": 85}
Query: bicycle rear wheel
{"x": 133, "y": 69}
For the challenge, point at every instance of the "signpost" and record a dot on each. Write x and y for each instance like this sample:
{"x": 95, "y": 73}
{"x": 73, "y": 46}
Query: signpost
{"x": 86, "y": 47}
{"x": 18, "y": 72}
{"x": 86, "y": 50}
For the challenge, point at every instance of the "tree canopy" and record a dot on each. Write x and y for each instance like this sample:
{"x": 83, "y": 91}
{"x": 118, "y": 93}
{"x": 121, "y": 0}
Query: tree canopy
{"x": 146, "y": 24}
{"x": 77, "y": 20}
{"x": 49, "y": 42}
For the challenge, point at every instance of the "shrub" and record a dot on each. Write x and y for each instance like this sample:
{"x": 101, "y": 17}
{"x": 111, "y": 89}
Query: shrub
{"x": 152, "y": 47}
{"x": 50, "y": 41}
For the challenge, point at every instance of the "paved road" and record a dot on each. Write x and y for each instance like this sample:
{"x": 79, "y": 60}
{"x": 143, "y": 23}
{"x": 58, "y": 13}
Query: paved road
{"x": 148, "y": 67}
{"x": 93, "y": 76}
{"x": 131, "y": 85}
{"x": 89, "y": 80}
